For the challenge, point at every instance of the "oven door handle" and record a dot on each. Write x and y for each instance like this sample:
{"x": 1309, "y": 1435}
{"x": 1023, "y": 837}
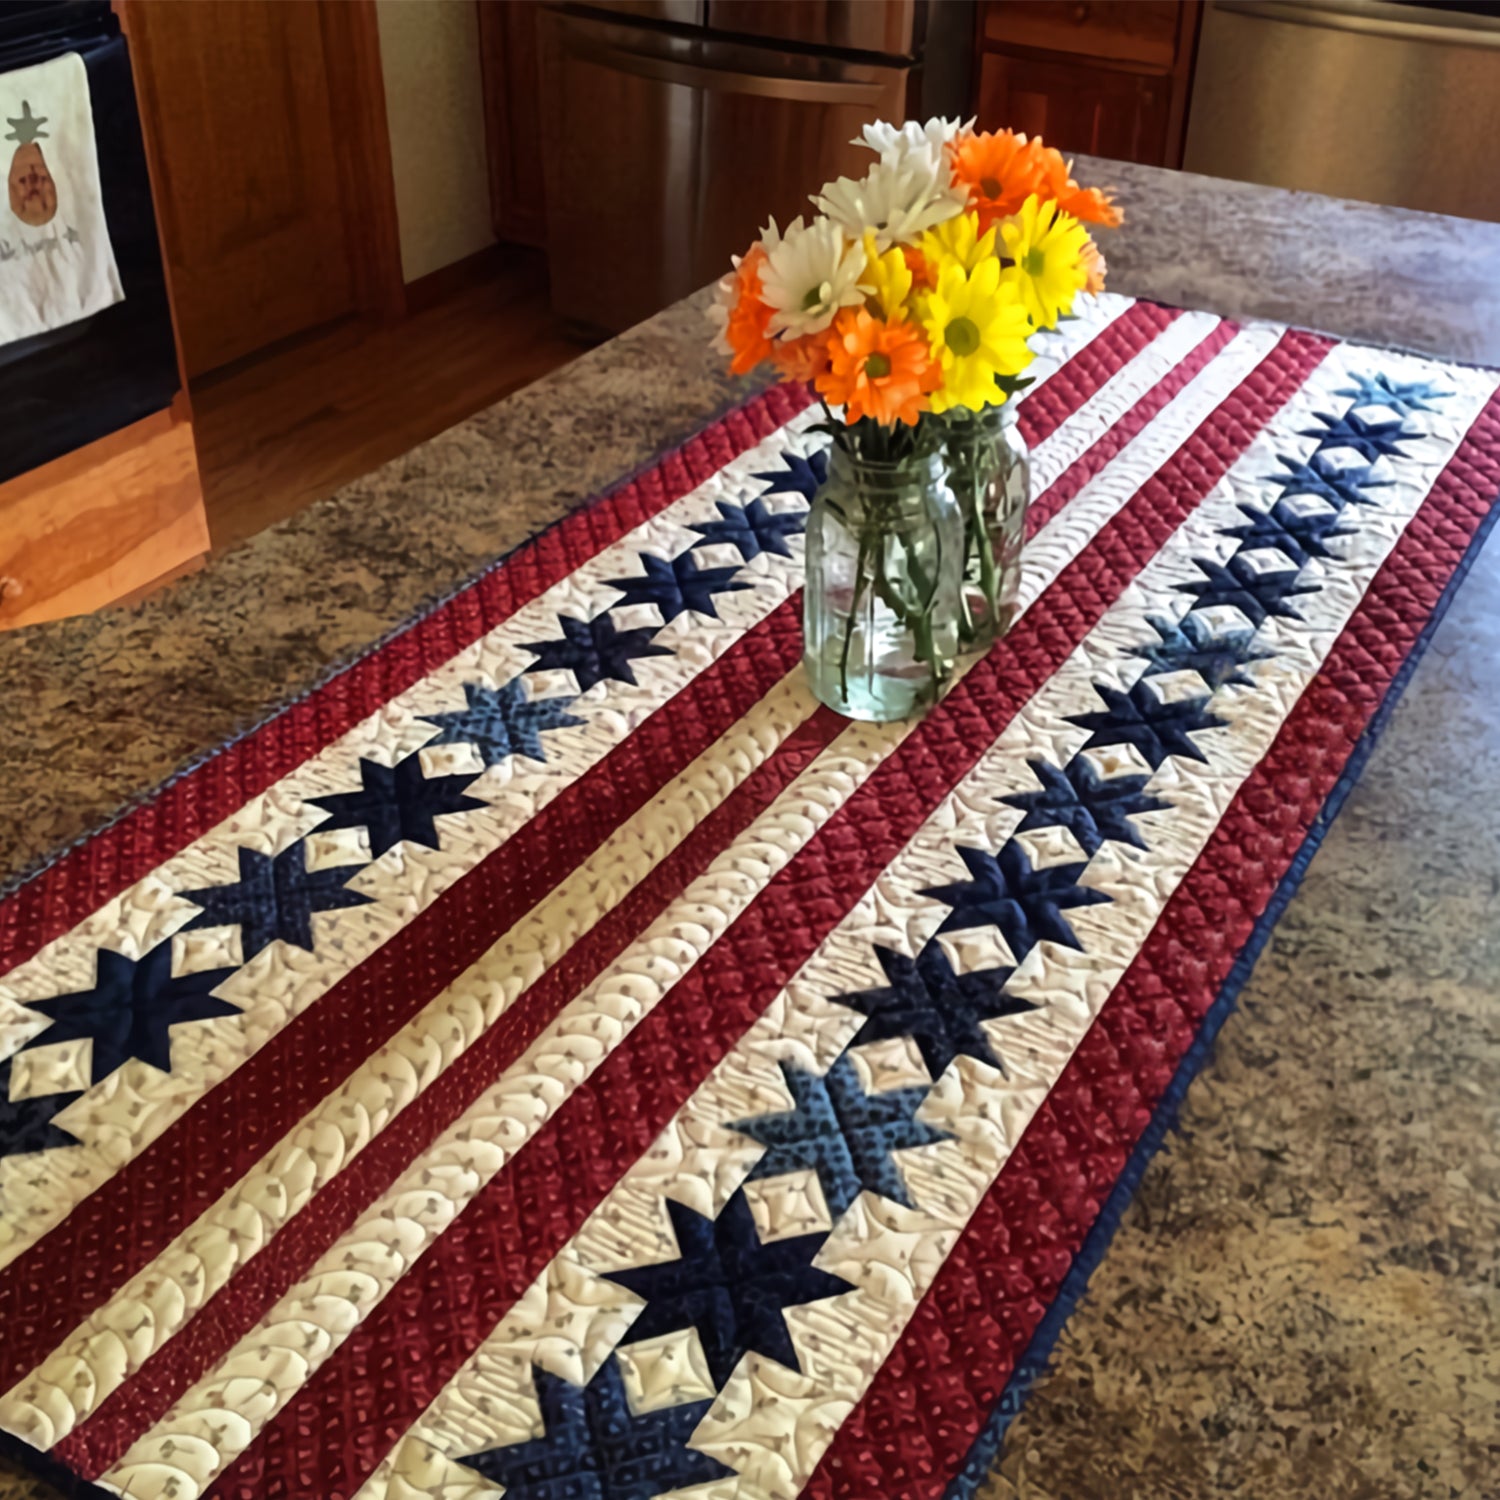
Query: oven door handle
{"x": 644, "y": 64}
{"x": 1373, "y": 18}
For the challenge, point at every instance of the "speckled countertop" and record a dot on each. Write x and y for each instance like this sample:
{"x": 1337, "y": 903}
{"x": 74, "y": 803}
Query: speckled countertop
{"x": 1304, "y": 1297}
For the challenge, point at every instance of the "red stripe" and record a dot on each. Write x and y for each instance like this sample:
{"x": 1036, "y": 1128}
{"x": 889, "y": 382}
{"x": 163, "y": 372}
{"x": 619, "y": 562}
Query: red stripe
{"x": 127, "y": 1220}
{"x": 402, "y": 1355}
{"x": 184, "y": 810}
{"x": 913, "y": 1429}
{"x": 236, "y": 1309}
{"x": 1047, "y": 407}
{"x": 1126, "y": 430}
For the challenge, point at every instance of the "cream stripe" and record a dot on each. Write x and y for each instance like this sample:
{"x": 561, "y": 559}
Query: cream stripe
{"x": 529, "y": 1092}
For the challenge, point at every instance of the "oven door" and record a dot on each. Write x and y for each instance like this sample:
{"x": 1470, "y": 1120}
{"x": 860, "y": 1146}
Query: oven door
{"x": 664, "y": 154}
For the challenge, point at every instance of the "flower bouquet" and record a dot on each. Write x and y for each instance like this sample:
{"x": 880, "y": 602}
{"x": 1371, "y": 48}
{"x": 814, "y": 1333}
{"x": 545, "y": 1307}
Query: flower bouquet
{"x": 908, "y": 302}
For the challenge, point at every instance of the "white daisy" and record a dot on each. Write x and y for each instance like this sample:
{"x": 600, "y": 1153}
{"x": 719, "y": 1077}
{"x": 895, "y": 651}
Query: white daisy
{"x": 897, "y": 199}
{"x": 810, "y": 273}
{"x": 900, "y": 143}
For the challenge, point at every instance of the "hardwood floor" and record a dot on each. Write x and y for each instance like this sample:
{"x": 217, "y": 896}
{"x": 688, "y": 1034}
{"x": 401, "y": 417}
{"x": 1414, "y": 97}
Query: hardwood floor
{"x": 286, "y": 428}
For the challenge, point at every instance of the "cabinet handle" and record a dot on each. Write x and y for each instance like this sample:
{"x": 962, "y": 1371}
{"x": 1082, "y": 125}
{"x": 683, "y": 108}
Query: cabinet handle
{"x": 1080, "y": 14}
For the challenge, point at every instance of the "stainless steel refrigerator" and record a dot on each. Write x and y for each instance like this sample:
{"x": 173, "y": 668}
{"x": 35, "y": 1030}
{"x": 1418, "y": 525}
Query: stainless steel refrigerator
{"x": 673, "y": 128}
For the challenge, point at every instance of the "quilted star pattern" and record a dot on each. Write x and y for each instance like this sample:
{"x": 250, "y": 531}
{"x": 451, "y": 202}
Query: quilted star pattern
{"x": 26, "y": 1124}
{"x": 131, "y": 1008}
{"x": 398, "y": 802}
{"x": 801, "y": 476}
{"x": 595, "y": 650}
{"x": 842, "y": 1133}
{"x": 729, "y": 1286}
{"x": 502, "y": 722}
{"x": 751, "y": 529}
{"x": 593, "y": 1447}
{"x": 1154, "y": 726}
{"x": 1256, "y": 595}
{"x": 1404, "y": 396}
{"x": 1300, "y": 534}
{"x": 942, "y": 1011}
{"x": 1317, "y": 476}
{"x": 1090, "y": 806}
{"x": 1219, "y": 657}
{"x": 677, "y": 584}
{"x": 1371, "y": 440}
{"x": 275, "y": 898}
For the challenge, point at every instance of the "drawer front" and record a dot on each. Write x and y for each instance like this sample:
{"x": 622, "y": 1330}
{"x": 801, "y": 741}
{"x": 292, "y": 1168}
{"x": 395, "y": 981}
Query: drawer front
{"x": 1139, "y": 32}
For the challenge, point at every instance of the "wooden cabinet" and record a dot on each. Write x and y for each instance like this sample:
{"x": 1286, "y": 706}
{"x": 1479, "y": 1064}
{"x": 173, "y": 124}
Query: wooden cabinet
{"x": 1109, "y": 77}
{"x": 510, "y": 60}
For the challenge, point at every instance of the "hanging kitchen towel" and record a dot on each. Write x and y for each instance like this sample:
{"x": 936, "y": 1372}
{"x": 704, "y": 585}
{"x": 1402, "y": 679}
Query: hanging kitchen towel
{"x": 56, "y": 261}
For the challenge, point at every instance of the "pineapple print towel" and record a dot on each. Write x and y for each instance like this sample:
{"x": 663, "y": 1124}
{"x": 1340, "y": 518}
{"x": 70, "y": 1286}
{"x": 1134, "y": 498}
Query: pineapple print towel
{"x": 56, "y": 261}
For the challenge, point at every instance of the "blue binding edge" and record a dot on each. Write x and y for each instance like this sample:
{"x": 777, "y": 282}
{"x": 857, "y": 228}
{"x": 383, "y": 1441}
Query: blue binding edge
{"x": 1032, "y": 1365}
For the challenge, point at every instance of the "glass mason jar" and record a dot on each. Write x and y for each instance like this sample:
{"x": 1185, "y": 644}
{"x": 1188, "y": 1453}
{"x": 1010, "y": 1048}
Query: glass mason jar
{"x": 881, "y": 607}
{"x": 989, "y": 470}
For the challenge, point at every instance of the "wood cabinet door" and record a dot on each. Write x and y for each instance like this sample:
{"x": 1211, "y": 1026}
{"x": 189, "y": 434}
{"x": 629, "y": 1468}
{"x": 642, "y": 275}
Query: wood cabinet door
{"x": 241, "y": 106}
{"x": 1077, "y": 106}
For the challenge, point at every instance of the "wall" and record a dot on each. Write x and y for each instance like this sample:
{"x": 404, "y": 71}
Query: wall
{"x": 429, "y": 54}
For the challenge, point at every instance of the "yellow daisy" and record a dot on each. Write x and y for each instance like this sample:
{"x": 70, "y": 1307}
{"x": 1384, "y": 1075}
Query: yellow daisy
{"x": 886, "y": 278}
{"x": 957, "y": 241}
{"x": 1048, "y": 249}
{"x": 977, "y": 328}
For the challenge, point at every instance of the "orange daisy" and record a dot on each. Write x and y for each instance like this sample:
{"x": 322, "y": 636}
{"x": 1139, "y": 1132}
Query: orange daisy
{"x": 878, "y": 370}
{"x": 1094, "y": 267}
{"x": 745, "y": 328}
{"x": 1000, "y": 169}
{"x": 923, "y": 277}
{"x": 1055, "y": 181}
{"x": 800, "y": 359}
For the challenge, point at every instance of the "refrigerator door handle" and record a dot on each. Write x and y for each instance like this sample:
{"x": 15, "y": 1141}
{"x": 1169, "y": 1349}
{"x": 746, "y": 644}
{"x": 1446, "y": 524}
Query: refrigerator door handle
{"x": 766, "y": 85}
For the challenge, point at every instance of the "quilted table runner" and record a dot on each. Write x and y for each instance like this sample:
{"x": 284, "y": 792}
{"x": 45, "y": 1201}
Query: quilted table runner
{"x": 556, "y": 1058}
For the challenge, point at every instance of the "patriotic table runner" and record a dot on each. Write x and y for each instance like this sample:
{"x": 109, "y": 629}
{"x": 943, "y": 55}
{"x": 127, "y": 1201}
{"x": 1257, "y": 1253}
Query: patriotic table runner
{"x": 556, "y": 1058}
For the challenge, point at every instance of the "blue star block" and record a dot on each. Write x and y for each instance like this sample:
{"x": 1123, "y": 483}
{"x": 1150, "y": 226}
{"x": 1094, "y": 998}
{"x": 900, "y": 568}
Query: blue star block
{"x": 1004, "y": 891}
{"x": 397, "y": 802}
{"x": 751, "y": 529}
{"x": 802, "y": 476}
{"x": 1091, "y": 807}
{"x": 594, "y": 651}
{"x": 842, "y": 1133}
{"x": 1156, "y": 728}
{"x": 1371, "y": 440}
{"x": 729, "y": 1286}
{"x": 593, "y": 1447}
{"x": 940, "y": 1010}
{"x": 1219, "y": 657}
{"x": 26, "y": 1124}
{"x": 1317, "y": 476}
{"x": 677, "y": 585}
{"x": 1238, "y": 583}
{"x": 275, "y": 897}
{"x": 1301, "y": 534}
{"x": 1403, "y": 397}
{"x": 131, "y": 1009}
{"x": 501, "y": 722}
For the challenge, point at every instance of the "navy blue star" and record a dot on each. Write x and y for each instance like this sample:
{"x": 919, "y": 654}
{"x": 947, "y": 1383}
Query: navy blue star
{"x": 1089, "y": 806}
{"x": 593, "y": 650}
{"x": 1300, "y": 534}
{"x": 677, "y": 585}
{"x": 752, "y": 529}
{"x": 802, "y": 476}
{"x": 503, "y": 721}
{"x": 1157, "y": 729}
{"x": 275, "y": 897}
{"x": 844, "y": 1134}
{"x": 26, "y": 1124}
{"x": 1218, "y": 657}
{"x": 1371, "y": 440}
{"x": 1404, "y": 397}
{"x": 593, "y": 1447}
{"x": 940, "y": 1010}
{"x": 1240, "y": 583}
{"x": 1004, "y": 891}
{"x": 729, "y": 1286}
{"x": 131, "y": 1009}
{"x": 398, "y": 802}
{"x": 1317, "y": 476}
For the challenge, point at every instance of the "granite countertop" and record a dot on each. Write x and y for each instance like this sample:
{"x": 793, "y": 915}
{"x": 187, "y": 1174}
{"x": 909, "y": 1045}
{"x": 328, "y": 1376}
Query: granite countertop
{"x": 1303, "y": 1298}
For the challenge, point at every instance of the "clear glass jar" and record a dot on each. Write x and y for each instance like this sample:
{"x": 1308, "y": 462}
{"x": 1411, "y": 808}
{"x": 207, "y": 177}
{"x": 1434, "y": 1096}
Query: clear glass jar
{"x": 989, "y": 470}
{"x": 881, "y": 607}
